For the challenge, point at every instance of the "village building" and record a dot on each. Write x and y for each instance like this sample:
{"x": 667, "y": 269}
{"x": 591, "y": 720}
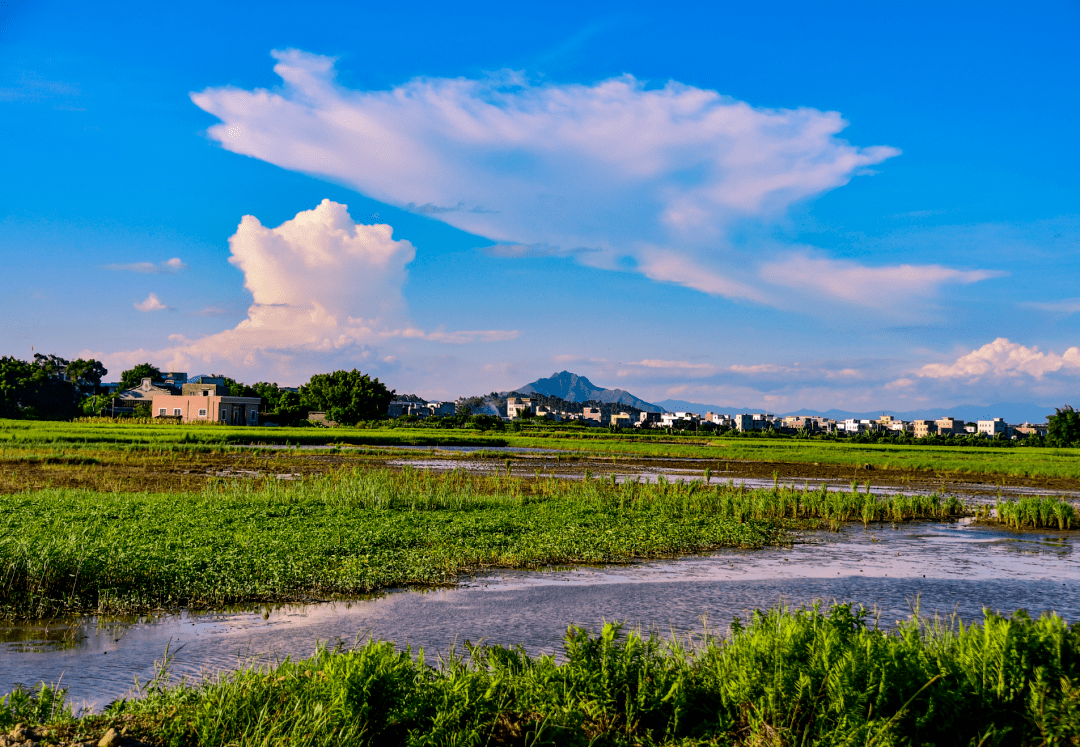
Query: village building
{"x": 923, "y": 428}
{"x": 951, "y": 426}
{"x": 206, "y": 403}
{"x": 126, "y": 400}
{"x": 993, "y": 427}
{"x": 518, "y": 406}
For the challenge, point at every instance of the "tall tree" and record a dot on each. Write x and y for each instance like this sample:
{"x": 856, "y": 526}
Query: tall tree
{"x": 36, "y": 390}
{"x": 133, "y": 376}
{"x": 239, "y": 389}
{"x": 1064, "y": 427}
{"x": 86, "y": 374}
{"x": 347, "y": 397}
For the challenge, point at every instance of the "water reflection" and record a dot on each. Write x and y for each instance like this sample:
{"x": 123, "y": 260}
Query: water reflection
{"x": 944, "y": 568}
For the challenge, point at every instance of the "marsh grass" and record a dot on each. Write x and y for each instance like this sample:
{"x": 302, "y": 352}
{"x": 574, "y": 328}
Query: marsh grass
{"x": 356, "y": 531}
{"x": 805, "y": 677}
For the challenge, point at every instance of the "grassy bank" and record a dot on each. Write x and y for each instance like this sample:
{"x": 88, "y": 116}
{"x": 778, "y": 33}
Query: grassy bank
{"x": 1015, "y": 462}
{"x": 785, "y": 678}
{"x": 358, "y": 531}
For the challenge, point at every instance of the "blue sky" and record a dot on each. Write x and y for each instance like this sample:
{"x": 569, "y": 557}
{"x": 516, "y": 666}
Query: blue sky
{"x": 851, "y": 205}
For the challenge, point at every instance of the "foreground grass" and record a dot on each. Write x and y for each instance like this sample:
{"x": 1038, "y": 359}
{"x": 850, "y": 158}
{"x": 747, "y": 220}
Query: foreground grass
{"x": 786, "y": 678}
{"x": 348, "y": 533}
{"x": 1013, "y": 462}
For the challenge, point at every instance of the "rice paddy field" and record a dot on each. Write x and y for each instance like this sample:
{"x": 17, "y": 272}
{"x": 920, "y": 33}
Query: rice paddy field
{"x": 26, "y": 439}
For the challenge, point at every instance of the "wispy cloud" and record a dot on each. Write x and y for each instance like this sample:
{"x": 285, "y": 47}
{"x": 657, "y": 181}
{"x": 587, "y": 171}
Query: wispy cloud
{"x": 891, "y": 286}
{"x": 152, "y": 303}
{"x": 1064, "y": 306}
{"x": 167, "y": 267}
{"x": 657, "y": 176}
{"x": 211, "y": 311}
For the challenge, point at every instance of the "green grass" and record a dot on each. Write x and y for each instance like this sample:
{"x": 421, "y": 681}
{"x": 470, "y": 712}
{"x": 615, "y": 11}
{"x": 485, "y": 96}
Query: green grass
{"x": 1017, "y": 462}
{"x": 344, "y": 534}
{"x": 347, "y": 533}
{"x": 809, "y": 677}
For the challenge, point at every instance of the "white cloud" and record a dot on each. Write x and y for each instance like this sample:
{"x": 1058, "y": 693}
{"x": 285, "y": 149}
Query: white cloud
{"x": 322, "y": 285}
{"x": 1064, "y": 306}
{"x": 167, "y": 267}
{"x": 1004, "y": 359}
{"x": 875, "y": 287}
{"x": 603, "y": 171}
{"x": 681, "y": 365}
{"x": 152, "y": 303}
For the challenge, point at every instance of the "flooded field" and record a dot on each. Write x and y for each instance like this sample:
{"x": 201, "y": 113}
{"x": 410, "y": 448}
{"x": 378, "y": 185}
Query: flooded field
{"x": 544, "y": 465}
{"x": 945, "y": 569}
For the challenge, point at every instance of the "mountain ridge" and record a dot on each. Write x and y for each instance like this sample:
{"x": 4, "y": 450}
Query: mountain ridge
{"x": 574, "y": 388}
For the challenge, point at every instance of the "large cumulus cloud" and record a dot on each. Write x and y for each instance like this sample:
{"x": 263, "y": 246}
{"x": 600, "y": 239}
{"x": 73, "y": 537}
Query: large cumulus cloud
{"x": 615, "y": 173}
{"x": 323, "y": 288}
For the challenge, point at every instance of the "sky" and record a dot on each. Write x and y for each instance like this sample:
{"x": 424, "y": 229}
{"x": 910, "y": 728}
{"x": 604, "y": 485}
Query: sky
{"x": 757, "y": 205}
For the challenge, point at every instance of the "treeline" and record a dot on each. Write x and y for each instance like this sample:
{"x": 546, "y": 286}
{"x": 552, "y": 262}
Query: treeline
{"x": 48, "y": 387}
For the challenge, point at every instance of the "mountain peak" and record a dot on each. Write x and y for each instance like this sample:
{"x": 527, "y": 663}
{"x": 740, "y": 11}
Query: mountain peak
{"x": 574, "y": 388}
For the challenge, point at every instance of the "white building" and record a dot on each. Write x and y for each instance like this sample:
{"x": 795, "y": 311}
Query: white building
{"x": 994, "y": 427}
{"x": 517, "y": 406}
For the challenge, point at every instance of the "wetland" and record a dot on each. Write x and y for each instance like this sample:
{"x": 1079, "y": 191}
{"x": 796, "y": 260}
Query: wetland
{"x": 242, "y": 558}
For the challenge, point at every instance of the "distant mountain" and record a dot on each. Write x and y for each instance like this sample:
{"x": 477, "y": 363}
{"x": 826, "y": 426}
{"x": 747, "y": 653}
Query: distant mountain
{"x": 1011, "y": 412}
{"x": 574, "y": 388}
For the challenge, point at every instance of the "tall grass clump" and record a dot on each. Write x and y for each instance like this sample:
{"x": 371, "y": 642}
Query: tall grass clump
{"x": 1036, "y": 513}
{"x": 808, "y": 677}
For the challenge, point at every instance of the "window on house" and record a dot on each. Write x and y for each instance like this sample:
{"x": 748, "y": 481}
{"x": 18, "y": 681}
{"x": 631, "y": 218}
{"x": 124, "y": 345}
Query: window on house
{"x": 161, "y": 411}
{"x": 252, "y": 415}
{"x": 202, "y": 413}
{"x": 176, "y": 411}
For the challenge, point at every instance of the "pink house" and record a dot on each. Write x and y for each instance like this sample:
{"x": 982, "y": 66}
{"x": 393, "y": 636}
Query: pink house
{"x": 207, "y": 403}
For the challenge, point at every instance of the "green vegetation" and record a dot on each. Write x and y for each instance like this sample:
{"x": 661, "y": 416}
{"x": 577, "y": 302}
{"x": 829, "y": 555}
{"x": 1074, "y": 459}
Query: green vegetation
{"x": 809, "y": 677}
{"x": 1036, "y": 513}
{"x": 47, "y": 387}
{"x": 132, "y": 377}
{"x": 347, "y": 397}
{"x": 359, "y": 531}
{"x": 1020, "y": 462}
{"x": 1064, "y": 426}
{"x": 347, "y": 533}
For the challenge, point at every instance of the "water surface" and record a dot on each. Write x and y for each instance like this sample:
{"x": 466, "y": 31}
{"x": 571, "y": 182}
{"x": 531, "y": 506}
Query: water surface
{"x": 944, "y": 568}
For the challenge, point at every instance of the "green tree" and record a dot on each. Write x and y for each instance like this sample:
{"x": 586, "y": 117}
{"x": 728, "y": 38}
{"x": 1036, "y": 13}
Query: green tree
{"x": 1064, "y": 427}
{"x": 347, "y": 397}
{"x": 133, "y": 376}
{"x": 238, "y": 389}
{"x": 86, "y": 374}
{"x": 36, "y": 390}
{"x": 280, "y": 405}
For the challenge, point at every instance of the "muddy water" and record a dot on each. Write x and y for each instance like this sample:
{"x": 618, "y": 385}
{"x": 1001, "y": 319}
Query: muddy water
{"x": 948, "y": 568}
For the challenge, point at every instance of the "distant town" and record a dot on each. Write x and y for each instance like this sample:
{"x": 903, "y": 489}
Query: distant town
{"x": 208, "y": 398}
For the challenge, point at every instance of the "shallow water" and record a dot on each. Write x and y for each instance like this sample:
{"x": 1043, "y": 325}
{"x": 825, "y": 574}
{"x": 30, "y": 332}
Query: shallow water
{"x": 975, "y": 493}
{"x": 945, "y": 568}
